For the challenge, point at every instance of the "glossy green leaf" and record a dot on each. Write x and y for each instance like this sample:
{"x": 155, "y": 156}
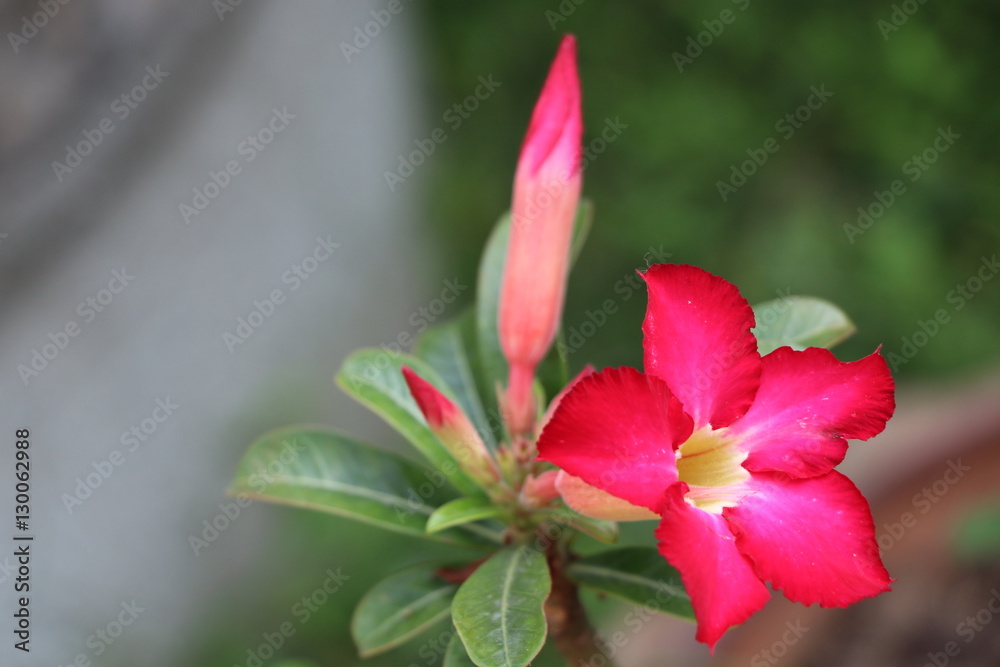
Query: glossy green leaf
{"x": 325, "y": 470}
{"x": 498, "y": 611}
{"x": 604, "y": 531}
{"x": 799, "y": 322}
{"x": 374, "y": 378}
{"x": 636, "y": 574}
{"x": 450, "y": 350}
{"x": 490, "y": 277}
{"x": 400, "y": 607}
{"x": 460, "y": 511}
{"x": 456, "y": 655}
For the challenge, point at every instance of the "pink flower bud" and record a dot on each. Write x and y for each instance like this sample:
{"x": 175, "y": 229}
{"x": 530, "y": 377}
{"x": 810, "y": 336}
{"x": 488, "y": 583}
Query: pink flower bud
{"x": 546, "y": 194}
{"x": 453, "y": 429}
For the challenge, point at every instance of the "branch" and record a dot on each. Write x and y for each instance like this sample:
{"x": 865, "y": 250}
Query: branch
{"x": 569, "y": 626}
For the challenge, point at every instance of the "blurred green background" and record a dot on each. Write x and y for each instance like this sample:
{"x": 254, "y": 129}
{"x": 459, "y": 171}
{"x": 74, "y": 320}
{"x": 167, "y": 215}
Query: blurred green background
{"x": 784, "y": 229}
{"x": 655, "y": 186}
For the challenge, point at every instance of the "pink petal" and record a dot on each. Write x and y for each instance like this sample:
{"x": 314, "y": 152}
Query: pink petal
{"x": 697, "y": 338}
{"x": 814, "y": 539}
{"x": 617, "y": 430}
{"x": 720, "y": 580}
{"x": 808, "y": 404}
{"x": 591, "y": 501}
{"x": 554, "y": 134}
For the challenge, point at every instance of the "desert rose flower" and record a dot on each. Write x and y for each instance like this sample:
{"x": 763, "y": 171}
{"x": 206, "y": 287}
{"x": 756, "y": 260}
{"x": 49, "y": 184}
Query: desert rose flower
{"x": 546, "y": 193}
{"x": 734, "y": 453}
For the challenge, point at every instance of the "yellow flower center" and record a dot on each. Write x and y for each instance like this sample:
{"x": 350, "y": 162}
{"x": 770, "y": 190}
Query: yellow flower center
{"x": 711, "y": 464}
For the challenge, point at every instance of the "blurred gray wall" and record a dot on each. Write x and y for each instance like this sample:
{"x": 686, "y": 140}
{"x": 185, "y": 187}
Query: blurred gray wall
{"x": 164, "y": 290}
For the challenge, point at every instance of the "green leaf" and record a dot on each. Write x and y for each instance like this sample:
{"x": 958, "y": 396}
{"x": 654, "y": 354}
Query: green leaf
{"x": 581, "y": 228}
{"x": 325, "y": 470}
{"x": 490, "y": 277}
{"x": 400, "y": 607}
{"x": 460, "y": 511}
{"x": 498, "y": 611}
{"x": 456, "y": 655}
{"x": 604, "y": 531}
{"x": 493, "y": 363}
{"x": 637, "y": 574}
{"x": 799, "y": 322}
{"x": 375, "y": 379}
{"x": 448, "y": 349}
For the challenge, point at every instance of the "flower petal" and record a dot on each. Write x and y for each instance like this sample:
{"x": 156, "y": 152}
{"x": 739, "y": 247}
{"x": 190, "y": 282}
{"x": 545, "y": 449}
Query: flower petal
{"x": 814, "y": 539}
{"x": 807, "y": 405}
{"x": 617, "y": 430}
{"x": 591, "y": 501}
{"x": 557, "y": 399}
{"x": 723, "y": 587}
{"x": 697, "y": 338}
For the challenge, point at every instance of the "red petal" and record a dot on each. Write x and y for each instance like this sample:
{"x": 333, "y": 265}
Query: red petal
{"x": 814, "y": 539}
{"x": 807, "y": 405}
{"x": 697, "y": 338}
{"x": 720, "y": 580}
{"x": 554, "y": 403}
{"x": 617, "y": 430}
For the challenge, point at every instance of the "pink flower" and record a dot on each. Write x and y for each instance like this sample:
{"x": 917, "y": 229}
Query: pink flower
{"x": 734, "y": 453}
{"x": 546, "y": 193}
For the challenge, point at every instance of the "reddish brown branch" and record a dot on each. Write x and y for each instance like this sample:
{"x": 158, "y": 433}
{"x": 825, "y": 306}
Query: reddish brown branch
{"x": 569, "y": 627}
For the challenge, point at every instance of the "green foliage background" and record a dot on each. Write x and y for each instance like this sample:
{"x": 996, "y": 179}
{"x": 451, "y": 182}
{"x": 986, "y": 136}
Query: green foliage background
{"x": 656, "y": 184}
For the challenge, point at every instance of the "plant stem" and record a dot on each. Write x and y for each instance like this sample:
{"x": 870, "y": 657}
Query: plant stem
{"x": 569, "y": 627}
